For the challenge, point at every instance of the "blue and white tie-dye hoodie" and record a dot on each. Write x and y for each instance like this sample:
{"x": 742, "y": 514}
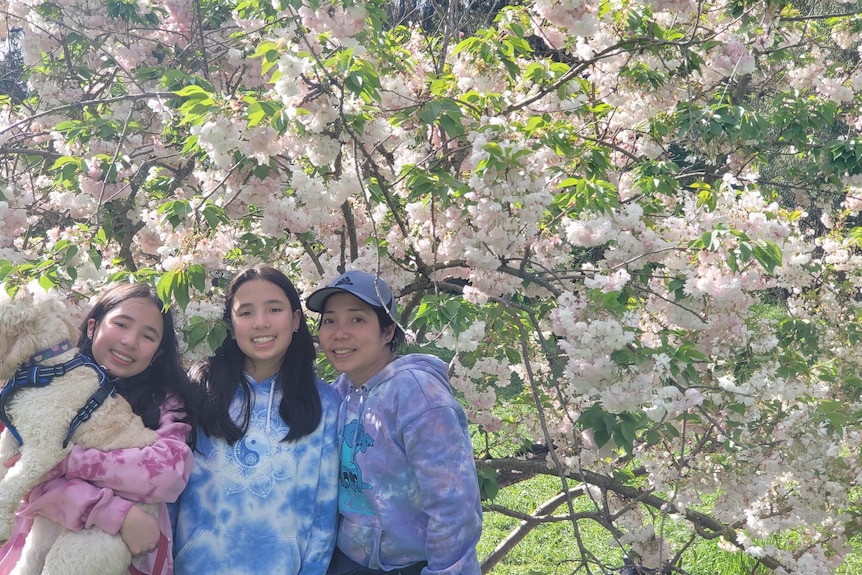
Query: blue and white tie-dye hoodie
{"x": 261, "y": 505}
{"x": 408, "y": 490}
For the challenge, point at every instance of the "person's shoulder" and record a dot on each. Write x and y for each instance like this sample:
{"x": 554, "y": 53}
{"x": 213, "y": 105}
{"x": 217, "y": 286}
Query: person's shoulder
{"x": 421, "y": 367}
{"x": 422, "y": 374}
{"x": 327, "y": 393}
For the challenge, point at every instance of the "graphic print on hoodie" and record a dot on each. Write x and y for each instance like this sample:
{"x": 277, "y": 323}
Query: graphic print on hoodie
{"x": 250, "y": 463}
{"x": 351, "y": 497}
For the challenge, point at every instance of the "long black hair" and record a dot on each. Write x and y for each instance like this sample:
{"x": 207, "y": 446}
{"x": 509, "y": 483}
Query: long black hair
{"x": 222, "y": 374}
{"x": 165, "y": 376}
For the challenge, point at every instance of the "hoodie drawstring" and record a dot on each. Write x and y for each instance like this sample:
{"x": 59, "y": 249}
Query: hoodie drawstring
{"x": 358, "y": 422}
{"x": 269, "y": 405}
{"x": 251, "y": 381}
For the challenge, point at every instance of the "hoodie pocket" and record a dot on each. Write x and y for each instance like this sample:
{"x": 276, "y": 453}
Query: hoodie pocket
{"x": 361, "y": 542}
{"x": 218, "y": 551}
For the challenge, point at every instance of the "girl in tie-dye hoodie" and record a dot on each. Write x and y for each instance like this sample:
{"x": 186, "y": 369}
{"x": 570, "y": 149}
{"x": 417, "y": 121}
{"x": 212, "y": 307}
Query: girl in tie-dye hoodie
{"x": 262, "y": 496}
{"x": 131, "y": 335}
{"x": 408, "y": 494}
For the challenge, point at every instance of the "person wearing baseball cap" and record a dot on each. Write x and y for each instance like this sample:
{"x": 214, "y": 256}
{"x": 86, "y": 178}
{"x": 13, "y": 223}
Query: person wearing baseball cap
{"x": 369, "y": 288}
{"x": 408, "y": 493}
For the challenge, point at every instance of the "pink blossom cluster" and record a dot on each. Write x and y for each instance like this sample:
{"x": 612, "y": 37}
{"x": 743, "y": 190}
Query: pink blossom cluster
{"x": 613, "y": 239}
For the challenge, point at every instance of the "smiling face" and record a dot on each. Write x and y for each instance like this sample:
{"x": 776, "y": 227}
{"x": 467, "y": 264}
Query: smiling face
{"x": 263, "y": 325}
{"x": 351, "y": 337}
{"x": 126, "y": 340}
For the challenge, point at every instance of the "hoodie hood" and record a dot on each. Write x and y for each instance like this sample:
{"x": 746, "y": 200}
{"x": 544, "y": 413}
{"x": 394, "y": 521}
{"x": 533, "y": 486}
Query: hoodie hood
{"x": 427, "y": 364}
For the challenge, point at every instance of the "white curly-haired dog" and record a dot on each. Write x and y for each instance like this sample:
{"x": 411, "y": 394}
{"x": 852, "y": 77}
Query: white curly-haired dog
{"x": 36, "y": 335}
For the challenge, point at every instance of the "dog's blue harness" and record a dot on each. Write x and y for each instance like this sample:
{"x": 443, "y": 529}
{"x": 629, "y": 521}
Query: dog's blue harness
{"x": 30, "y": 375}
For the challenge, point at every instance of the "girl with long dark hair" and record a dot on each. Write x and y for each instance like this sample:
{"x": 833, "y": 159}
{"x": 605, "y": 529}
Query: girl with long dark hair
{"x": 262, "y": 496}
{"x": 129, "y": 333}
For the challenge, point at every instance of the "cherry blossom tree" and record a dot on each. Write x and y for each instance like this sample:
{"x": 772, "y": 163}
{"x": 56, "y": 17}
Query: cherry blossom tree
{"x": 633, "y": 226}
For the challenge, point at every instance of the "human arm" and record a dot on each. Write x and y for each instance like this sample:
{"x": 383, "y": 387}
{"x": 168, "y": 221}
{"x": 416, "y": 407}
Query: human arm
{"x": 140, "y": 531}
{"x": 153, "y": 474}
{"x": 324, "y": 521}
{"x": 94, "y": 488}
{"x": 76, "y": 504}
{"x": 449, "y": 490}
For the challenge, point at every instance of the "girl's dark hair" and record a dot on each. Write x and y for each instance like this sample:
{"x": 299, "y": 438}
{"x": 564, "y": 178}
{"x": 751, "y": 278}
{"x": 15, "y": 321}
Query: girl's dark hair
{"x": 165, "y": 376}
{"x": 222, "y": 374}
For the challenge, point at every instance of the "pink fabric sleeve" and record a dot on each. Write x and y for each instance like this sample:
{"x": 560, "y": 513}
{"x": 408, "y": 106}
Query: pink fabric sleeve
{"x": 153, "y": 474}
{"x": 99, "y": 487}
{"x": 76, "y": 504}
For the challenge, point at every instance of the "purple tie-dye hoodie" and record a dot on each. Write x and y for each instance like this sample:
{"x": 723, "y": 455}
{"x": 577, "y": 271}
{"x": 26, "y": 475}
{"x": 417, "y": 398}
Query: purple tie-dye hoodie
{"x": 408, "y": 490}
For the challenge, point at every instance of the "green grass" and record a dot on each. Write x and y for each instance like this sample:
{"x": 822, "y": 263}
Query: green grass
{"x": 549, "y": 549}
{"x": 552, "y": 549}
{"x": 853, "y": 564}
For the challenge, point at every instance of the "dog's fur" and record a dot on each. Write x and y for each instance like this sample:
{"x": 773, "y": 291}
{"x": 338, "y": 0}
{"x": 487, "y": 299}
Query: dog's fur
{"x": 29, "y": 324}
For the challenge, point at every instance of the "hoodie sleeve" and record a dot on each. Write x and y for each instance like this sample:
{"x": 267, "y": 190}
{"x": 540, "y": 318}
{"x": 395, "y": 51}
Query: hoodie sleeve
{"x": 321, "y": 539}
{"x": 153, "y": 474}
{"x": 446, "y": 472}
{"x": 98, "y": 488}
{"x": 76, "y": 505}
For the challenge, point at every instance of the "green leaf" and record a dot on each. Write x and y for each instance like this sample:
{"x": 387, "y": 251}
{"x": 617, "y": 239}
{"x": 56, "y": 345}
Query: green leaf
{"x": 217, "y": 335}
{"x": 46, "y": 282}
{"x": 194, "y": 92}
{"x": 196, "y": 276}
{"x": 181, "y": 291}
{"x": 255, "y": 114}
{"x": 488, "y": 486}
{"x": 95, "y": 257}
{"x": 65, "y": 160}
{"x": 195, "y": 331}
{"x": 166, "y": 285}
{"x": 768, "y": 255}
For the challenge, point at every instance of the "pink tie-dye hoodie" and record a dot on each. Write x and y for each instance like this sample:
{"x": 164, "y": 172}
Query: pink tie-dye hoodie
{"x": 97, "y": 488}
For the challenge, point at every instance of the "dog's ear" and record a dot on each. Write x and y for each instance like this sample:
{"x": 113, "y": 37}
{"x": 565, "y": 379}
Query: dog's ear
{"x": 74, "y": 331}
{"x": 19, "y": 332}
{"x": 29, "y": 324}
{"x": 60, "y": 310}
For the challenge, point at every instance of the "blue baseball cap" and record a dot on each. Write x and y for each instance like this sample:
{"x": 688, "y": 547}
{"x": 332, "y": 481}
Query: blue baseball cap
{"x": 368, "y": 287}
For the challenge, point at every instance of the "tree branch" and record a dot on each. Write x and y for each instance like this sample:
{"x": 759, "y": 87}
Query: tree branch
{"x": 528, "y": 523}
{"x": 706, "y": 526}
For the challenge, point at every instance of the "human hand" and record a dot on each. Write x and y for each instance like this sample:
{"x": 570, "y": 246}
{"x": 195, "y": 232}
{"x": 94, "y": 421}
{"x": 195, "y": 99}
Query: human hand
{"x": 140, "y": 531}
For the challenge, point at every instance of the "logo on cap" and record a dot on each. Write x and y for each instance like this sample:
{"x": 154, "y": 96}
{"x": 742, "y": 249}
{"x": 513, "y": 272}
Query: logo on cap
{"x": 344, "y": 281}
